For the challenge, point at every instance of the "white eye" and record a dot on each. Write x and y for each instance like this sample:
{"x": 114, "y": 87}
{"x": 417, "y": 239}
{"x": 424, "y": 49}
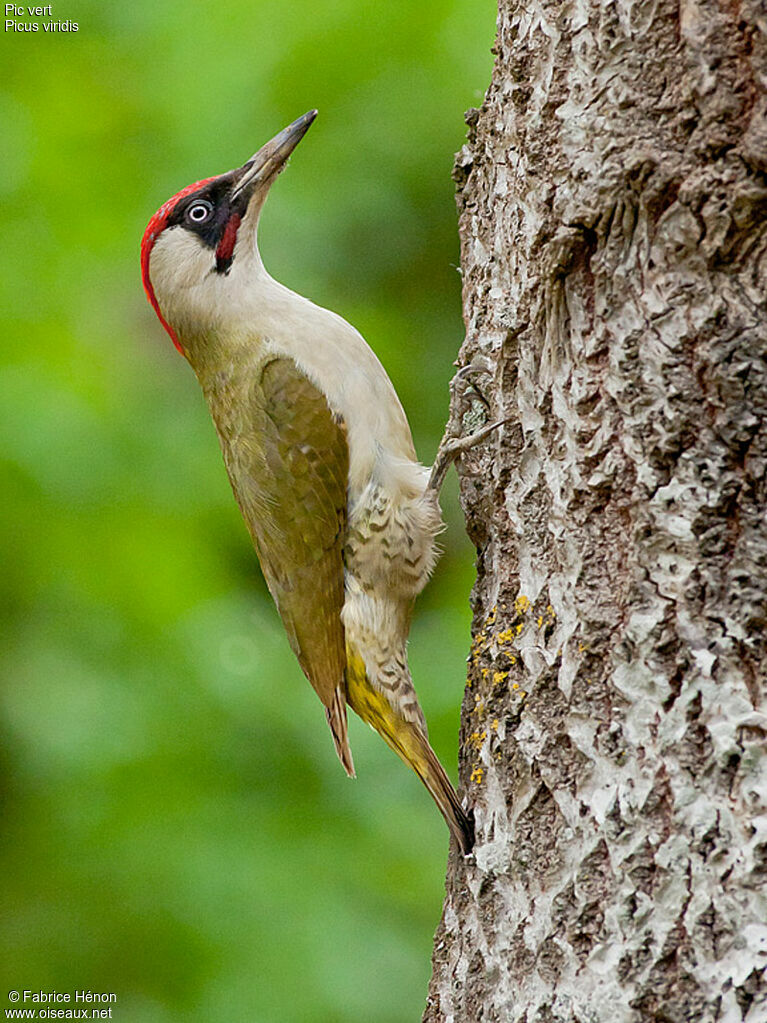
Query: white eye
{"x": 199, "y": 211}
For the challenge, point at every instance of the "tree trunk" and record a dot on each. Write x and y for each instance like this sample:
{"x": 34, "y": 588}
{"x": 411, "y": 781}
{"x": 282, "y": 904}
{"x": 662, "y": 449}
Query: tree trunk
{"x": 612, "y": 204}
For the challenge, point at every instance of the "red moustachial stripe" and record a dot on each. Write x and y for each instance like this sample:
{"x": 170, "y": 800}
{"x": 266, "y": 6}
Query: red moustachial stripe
{"x": 225, "y": 249}
{"x": 154, "y": 229}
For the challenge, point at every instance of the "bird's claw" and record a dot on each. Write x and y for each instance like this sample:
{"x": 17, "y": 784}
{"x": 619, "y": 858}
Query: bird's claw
{"x": 451, "y": 448}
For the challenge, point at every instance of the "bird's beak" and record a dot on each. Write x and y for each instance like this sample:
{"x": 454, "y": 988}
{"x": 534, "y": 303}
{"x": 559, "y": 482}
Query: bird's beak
{"x": 264, "y": 166}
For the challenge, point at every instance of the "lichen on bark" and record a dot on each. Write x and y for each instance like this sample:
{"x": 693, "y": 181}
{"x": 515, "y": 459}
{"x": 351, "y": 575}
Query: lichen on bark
{"x": 612, "y": 197}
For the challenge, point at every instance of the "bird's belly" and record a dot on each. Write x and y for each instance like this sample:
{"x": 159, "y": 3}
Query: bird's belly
{"x": 390, "y": 552}
{"x": 390, "y": 547}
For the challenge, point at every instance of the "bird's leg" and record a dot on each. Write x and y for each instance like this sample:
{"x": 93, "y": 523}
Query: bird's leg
{"x": 450, "y": 448}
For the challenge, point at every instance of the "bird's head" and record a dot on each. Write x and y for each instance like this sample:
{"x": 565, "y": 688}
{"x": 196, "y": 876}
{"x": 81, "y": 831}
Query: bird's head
{"x": 200, "y": 246}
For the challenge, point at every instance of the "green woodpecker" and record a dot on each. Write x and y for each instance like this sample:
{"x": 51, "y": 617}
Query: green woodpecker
{"x": 319, "y": 454}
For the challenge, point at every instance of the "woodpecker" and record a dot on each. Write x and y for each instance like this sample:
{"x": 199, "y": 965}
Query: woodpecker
{"x": 319, "y": 454}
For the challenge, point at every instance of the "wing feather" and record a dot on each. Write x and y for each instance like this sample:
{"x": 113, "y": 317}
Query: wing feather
{"x": 297, "y": 517}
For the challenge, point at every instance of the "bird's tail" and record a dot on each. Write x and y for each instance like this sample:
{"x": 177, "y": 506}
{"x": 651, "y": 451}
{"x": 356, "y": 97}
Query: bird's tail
{"x": 336, "y": 715}
{"x": 409, "y": 742}
{"x": 422, "y": 758}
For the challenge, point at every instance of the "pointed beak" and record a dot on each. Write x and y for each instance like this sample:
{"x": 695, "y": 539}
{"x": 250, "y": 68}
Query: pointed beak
{"x": 264, "y": 166}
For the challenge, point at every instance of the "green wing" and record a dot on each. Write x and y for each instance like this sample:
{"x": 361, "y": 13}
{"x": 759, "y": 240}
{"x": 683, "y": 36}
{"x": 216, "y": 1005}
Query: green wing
{"x": 292, "y": 489}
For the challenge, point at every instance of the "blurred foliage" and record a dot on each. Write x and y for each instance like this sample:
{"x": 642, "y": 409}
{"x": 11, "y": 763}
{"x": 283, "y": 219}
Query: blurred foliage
{"x": 175, "y": 825}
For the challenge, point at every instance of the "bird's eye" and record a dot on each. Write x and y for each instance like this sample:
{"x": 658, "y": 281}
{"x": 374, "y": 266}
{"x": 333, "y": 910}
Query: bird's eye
{"x": 199, "y": 211}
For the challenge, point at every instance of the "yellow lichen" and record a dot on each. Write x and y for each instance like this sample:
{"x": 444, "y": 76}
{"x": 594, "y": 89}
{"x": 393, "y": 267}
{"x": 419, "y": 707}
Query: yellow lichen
{"x": 477, "y": 738}
{"x": 477, "y": 774}
{"x": 499, "y": 676}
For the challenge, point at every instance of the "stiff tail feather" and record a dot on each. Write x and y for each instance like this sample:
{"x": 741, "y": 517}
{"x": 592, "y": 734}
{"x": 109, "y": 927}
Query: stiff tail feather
{"x": 413, "y": 747}
{"x": 409, "y": 742}
{"x": 433, "y": 775}
{"x": 336, "y": 715}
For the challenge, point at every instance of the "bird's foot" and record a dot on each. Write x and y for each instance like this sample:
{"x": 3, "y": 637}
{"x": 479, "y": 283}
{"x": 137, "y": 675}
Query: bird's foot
{"x": 451, "y": 448}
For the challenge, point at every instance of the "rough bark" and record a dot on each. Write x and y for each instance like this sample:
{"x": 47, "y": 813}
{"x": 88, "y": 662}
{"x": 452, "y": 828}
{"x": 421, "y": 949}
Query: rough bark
{"x": 612, "y": 201}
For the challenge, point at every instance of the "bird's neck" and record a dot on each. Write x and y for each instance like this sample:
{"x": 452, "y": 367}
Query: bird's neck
{"x": 222, "y": 322}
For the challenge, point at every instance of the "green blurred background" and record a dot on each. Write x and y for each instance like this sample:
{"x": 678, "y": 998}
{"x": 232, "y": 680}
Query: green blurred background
{"x": 175, "y": 826}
